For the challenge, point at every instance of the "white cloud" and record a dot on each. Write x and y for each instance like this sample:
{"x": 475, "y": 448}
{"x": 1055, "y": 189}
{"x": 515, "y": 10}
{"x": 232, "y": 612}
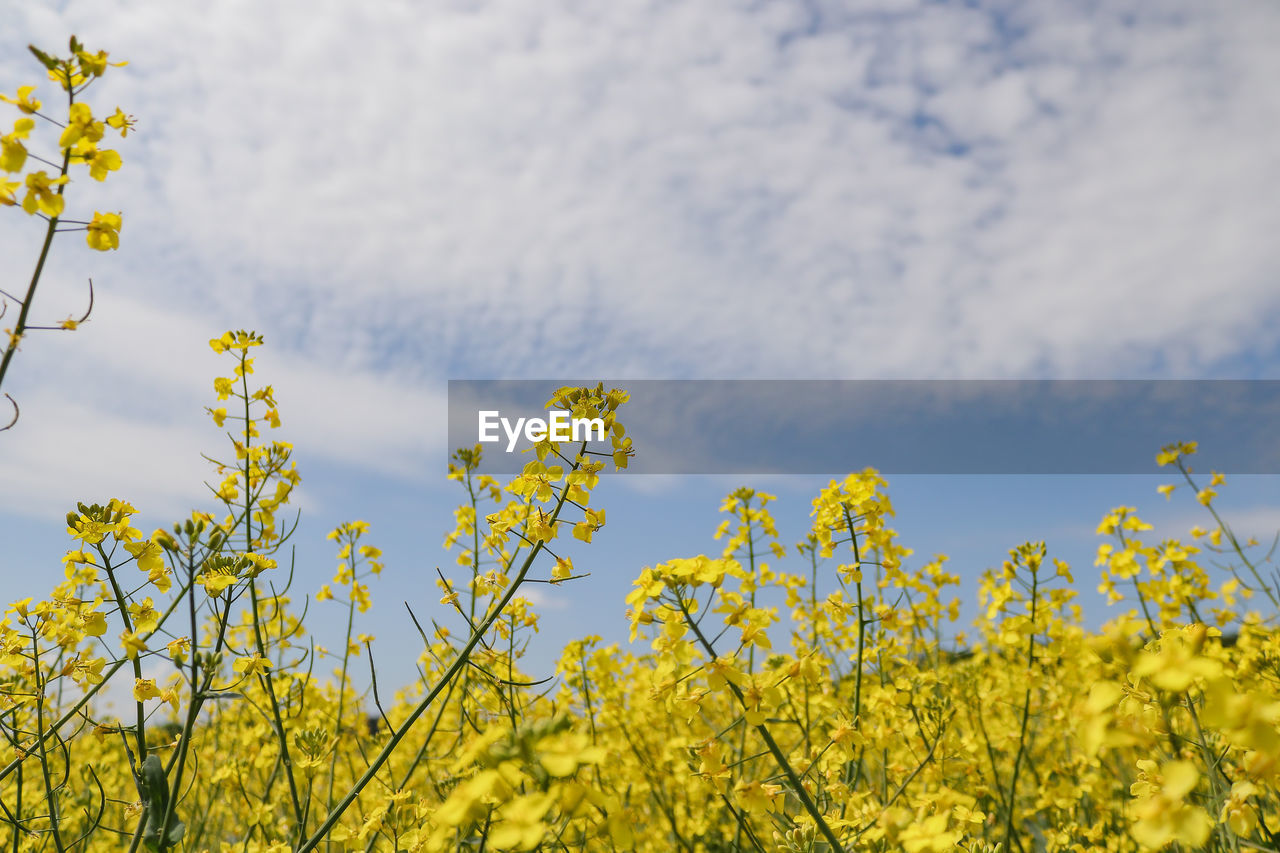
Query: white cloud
{"x": 1259, "y": 522}
{"x": 543, "y": 600}
{"x": 117, "y": 409}
{"x": 403, "y": 192}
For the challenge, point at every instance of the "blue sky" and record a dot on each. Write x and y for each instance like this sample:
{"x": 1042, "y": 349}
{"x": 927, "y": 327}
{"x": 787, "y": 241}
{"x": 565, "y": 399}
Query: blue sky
{"x": 404, "y": 193}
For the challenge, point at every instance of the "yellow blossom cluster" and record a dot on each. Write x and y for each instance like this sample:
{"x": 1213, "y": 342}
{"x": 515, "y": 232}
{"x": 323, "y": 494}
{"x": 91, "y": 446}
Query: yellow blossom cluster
{"x": 36, "y": 169}
{"x": 814, "y": 698}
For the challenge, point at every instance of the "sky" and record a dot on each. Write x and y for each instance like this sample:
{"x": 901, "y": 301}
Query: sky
{"x": 402, "y": 193}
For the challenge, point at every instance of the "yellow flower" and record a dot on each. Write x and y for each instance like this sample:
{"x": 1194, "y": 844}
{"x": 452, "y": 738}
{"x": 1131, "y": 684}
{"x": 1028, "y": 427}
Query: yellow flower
{"x": 520, "y": 826}
{"x": 100, "y": 162}
{"x": 1160, "y": 817}
{"x": 80, "y": 125}
{"x": 252, "y": 665}
{"x": 87, "y": 672}
{"x": 1237, "y": 812}
{"x": 754, "y": 635}
{"x": 758, "y": 797}
{"x": 93, "y": 623}
{"x": 13, "y": 154}
{"x": 214, "y": 582}
{"x": 562, "y": 754}
{"x": 563, "y": 570}
{"x": 24, "y": 101}
{"x": 929, "y": 836}
{"x": 144, "y": 689}
{"x": 65, "y": 77}
{"x": 148, "y": 554}
{"x": 40, "y": 195}
{"x": 542, "y": 529}
{"x": 95, "y": 64}
{"x": 121, "y": 122}
{"x": 179, "y": 649}
{"x": 1171, "y": 453}
{"x": 360, "y": 595}
{"x": 144, "y": 615}
{"x": 132, "y": 643}
{"x": 75, "y": 559}
{"x": 593, "y": 520}
{"x": 258, "y": 564}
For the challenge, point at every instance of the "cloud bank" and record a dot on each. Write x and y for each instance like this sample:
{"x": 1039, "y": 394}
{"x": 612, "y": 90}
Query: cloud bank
{"x": 401, "y": 193}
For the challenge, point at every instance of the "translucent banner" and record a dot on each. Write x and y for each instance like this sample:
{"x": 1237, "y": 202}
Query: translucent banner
{"x": 896, "y": 426}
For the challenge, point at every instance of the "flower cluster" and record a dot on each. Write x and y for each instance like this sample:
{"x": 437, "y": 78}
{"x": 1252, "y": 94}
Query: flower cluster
{"x": 814, "y": 698}
{"x": 35, "y": 172}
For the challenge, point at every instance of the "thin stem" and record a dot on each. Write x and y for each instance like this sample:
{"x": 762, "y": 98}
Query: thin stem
{"x": 459, "y": 662}
{"x": 25, "y": 303}
{"x": 783, "y": 764}
{"x": 1026, "y": 710}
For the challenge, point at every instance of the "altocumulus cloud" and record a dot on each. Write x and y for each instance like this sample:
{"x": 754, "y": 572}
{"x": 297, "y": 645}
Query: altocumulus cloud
{"x": 403, "y": 192}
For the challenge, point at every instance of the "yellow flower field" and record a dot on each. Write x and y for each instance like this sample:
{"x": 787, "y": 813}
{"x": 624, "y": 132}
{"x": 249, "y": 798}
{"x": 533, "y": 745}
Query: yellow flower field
{"x": 844, "y": 721}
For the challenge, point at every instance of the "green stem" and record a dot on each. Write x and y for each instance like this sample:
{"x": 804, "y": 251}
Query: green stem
{"x": 44, "y": 753}
{"x": 90, "y": 692}
{"x": 458, "y": 664}
{"x": 783, "y": 764}
{"x": 25, "y": 309}
{"x": 266, "y": 677}
{"x": 1026, "y": 711}
{"x": 342, "y": 684}
{"x": 122, "y": 605}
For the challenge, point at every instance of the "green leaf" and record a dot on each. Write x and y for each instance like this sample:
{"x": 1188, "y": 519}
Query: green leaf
{"x": 48, "y": 61}
{"x": 155, "y": 788}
